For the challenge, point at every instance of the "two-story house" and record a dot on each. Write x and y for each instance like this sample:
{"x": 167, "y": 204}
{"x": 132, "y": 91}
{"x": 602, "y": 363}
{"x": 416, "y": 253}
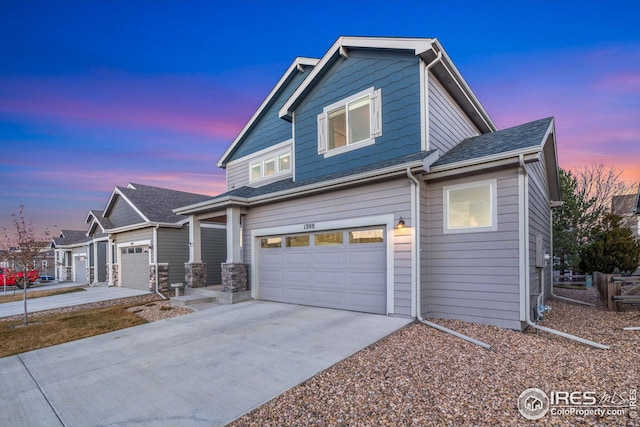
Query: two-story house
{"x": 372, "y": 179}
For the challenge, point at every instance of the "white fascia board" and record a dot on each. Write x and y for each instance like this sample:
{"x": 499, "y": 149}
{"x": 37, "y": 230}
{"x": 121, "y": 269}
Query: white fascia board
{"x": 338, "y": 182}
{"x": 221, "y": 202}
{"x": 88, "y": 218}
{"x": 455, "y": 74}
{"x": 294, "y": 67}
{"x": 530, "y": 155}
{"x": 274, "y": 147}
{"x": 419, "y": 46}
{"x": 111, "y": 201}
{"x": 142, "y": 225}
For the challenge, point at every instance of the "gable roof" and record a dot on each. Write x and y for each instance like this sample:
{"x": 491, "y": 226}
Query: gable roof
{"x": 428, "y": 49}
{"x": 528, "y": 141}
{"x": 298, "y": 65}
{"x": 154, "y": 204}
{"x": 625, "y": 204}
{"x": 70, "y": 238}
{"x": 95, "y": 219}
{"x": 512, "y": 140}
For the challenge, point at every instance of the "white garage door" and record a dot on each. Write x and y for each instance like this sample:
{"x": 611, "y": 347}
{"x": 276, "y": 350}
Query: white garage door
{"x": 135, "y": 267}
{"x": 343, "y": 269}
{"x": 80, "y": 269}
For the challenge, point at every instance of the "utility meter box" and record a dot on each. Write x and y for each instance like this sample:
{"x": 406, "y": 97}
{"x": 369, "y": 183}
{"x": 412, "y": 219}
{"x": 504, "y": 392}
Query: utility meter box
{"x": 539, "y": 251}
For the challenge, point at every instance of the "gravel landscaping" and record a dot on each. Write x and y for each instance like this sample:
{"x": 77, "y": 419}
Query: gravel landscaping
{"x": 422, "y": 377}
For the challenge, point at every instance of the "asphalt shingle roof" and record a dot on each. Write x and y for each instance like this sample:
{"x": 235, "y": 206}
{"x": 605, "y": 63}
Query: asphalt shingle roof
{"x": 105, "y": 223}
{"x": 502, "y": 141}
{"x": 625, "y": 204}
{"x": 157, "y": 204}
{"x": 288, "y": 184}
{"x": 71, "y": 237}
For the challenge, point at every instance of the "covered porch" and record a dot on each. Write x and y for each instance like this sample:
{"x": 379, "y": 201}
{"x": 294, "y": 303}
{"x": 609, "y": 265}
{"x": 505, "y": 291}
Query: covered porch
{"x": 234, "y": 272}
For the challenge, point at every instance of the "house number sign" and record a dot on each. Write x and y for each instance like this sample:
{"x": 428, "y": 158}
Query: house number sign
{"x": 309, "y": 226}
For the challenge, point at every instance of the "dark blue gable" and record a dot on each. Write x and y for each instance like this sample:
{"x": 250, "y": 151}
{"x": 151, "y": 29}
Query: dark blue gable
{"x": 270, "y": 129}
{"x": 398, "y": 75}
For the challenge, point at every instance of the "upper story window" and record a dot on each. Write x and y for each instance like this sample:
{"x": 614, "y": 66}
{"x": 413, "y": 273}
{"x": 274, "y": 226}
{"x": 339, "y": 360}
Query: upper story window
{"x": 470, "y": 207}
{"x": 274, "y": 164}
{"x": 350, "y": 123}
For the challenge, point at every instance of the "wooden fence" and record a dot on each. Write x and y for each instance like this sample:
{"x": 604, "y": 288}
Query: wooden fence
{"x": 610, "y": 287}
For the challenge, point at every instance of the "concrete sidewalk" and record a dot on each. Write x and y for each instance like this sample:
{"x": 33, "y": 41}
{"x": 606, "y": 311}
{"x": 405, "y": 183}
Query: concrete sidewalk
{"x": 89, "y": 295}
{"x": 201, "y": 369}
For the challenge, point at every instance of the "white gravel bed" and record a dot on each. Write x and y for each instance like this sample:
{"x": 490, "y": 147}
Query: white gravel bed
{"x": 422, "y": 377}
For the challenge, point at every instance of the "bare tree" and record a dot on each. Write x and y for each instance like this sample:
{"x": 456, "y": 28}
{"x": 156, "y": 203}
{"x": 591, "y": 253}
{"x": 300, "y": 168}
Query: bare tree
{"x": 23, "y": 249}
{"x": 601, "y": 182}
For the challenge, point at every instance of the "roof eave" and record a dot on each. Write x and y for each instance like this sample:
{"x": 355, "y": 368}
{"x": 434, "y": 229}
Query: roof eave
{"x": 419, "y": 46}
{"x": 212, "y": 204}
{"x": 286, "y": 77}
{"x": 473, "y": 165}
{"x": 142, "y": 225}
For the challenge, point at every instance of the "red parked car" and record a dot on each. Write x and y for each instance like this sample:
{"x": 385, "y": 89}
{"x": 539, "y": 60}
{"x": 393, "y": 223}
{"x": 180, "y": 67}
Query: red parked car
{"x": 16, "y": 278}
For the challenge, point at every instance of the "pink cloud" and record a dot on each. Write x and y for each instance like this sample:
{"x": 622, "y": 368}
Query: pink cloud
{"x": 182, "y": 104}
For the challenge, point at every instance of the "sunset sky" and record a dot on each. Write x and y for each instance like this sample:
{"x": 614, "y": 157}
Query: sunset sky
{"x": 95, "y": 94}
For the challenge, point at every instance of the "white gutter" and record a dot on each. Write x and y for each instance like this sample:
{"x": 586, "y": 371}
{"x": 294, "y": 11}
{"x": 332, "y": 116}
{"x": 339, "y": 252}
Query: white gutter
{"x": 155, "y": 258}
{"x": 415, "y": 265}
{"x": 223, "y": 202}
{"x": 424, "y": 100}
{"x": 523, "y": 182}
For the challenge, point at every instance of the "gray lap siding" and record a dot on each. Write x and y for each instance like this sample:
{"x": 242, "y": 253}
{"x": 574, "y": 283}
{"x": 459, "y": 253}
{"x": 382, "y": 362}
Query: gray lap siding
{"x": 472, "y": 276}
{"x": 386, "y": 198}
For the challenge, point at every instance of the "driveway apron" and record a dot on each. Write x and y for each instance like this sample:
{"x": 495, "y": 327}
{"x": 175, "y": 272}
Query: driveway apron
{"x": 202, "y": 369}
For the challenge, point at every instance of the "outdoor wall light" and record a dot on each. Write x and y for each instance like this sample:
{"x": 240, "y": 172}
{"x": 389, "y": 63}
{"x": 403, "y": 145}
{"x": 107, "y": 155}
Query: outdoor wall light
{"x": 400, "y": 223}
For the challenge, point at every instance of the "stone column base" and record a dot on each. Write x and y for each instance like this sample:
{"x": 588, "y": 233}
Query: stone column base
{"x": 114, "y": 275}
{"x": 234, "y": 277}
{"x": 195, "y": 274}
{"x": 163, "y": 277}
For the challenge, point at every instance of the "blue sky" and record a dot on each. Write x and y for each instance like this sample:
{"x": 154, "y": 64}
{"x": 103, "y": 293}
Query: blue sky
{"x": 95, "y": 94}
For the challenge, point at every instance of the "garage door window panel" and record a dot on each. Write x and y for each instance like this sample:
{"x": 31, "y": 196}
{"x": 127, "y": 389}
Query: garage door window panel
{"x": 297, "y": 241}
{"x": 271, "y": 242}
{"x": 328, "y": 239}
{"x": 366, "y": 236}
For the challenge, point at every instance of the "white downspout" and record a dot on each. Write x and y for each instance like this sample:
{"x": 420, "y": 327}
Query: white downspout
{"x": 155, "y": 259}
{"x": 524, "y": 222}
{"x": 416, "y": 273}
{"x": 424, "y": 100}
{"x": 552, "y": 294}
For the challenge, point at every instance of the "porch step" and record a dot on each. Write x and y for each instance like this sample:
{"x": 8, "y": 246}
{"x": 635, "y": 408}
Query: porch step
{"x": 185, "y": 300}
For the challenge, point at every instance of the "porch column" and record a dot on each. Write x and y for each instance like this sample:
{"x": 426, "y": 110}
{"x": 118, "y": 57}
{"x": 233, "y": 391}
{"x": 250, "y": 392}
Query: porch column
{"x": 234, "y": 272}
{"x": 233, "y": 235}
{"x": 195, "y": 242}
{"x": 195, "y": 271}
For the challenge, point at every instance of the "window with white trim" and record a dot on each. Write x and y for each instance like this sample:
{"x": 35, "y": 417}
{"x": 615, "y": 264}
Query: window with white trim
{"x": 351, "y": 123}
{"x": 470, "y": 207}
{"x": 269, "y": 166}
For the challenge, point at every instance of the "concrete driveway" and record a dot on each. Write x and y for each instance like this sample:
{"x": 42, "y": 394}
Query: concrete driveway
{"x": 201, "y": 369}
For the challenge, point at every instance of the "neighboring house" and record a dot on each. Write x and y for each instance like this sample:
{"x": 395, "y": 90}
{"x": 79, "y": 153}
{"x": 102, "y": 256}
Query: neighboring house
{"x": 372, "y": 179}
{"x": 71, "y": 252}
{"x": 147, "y": 244}
{"x": 98, "y": 267}
{"x": 628, "y": 207}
